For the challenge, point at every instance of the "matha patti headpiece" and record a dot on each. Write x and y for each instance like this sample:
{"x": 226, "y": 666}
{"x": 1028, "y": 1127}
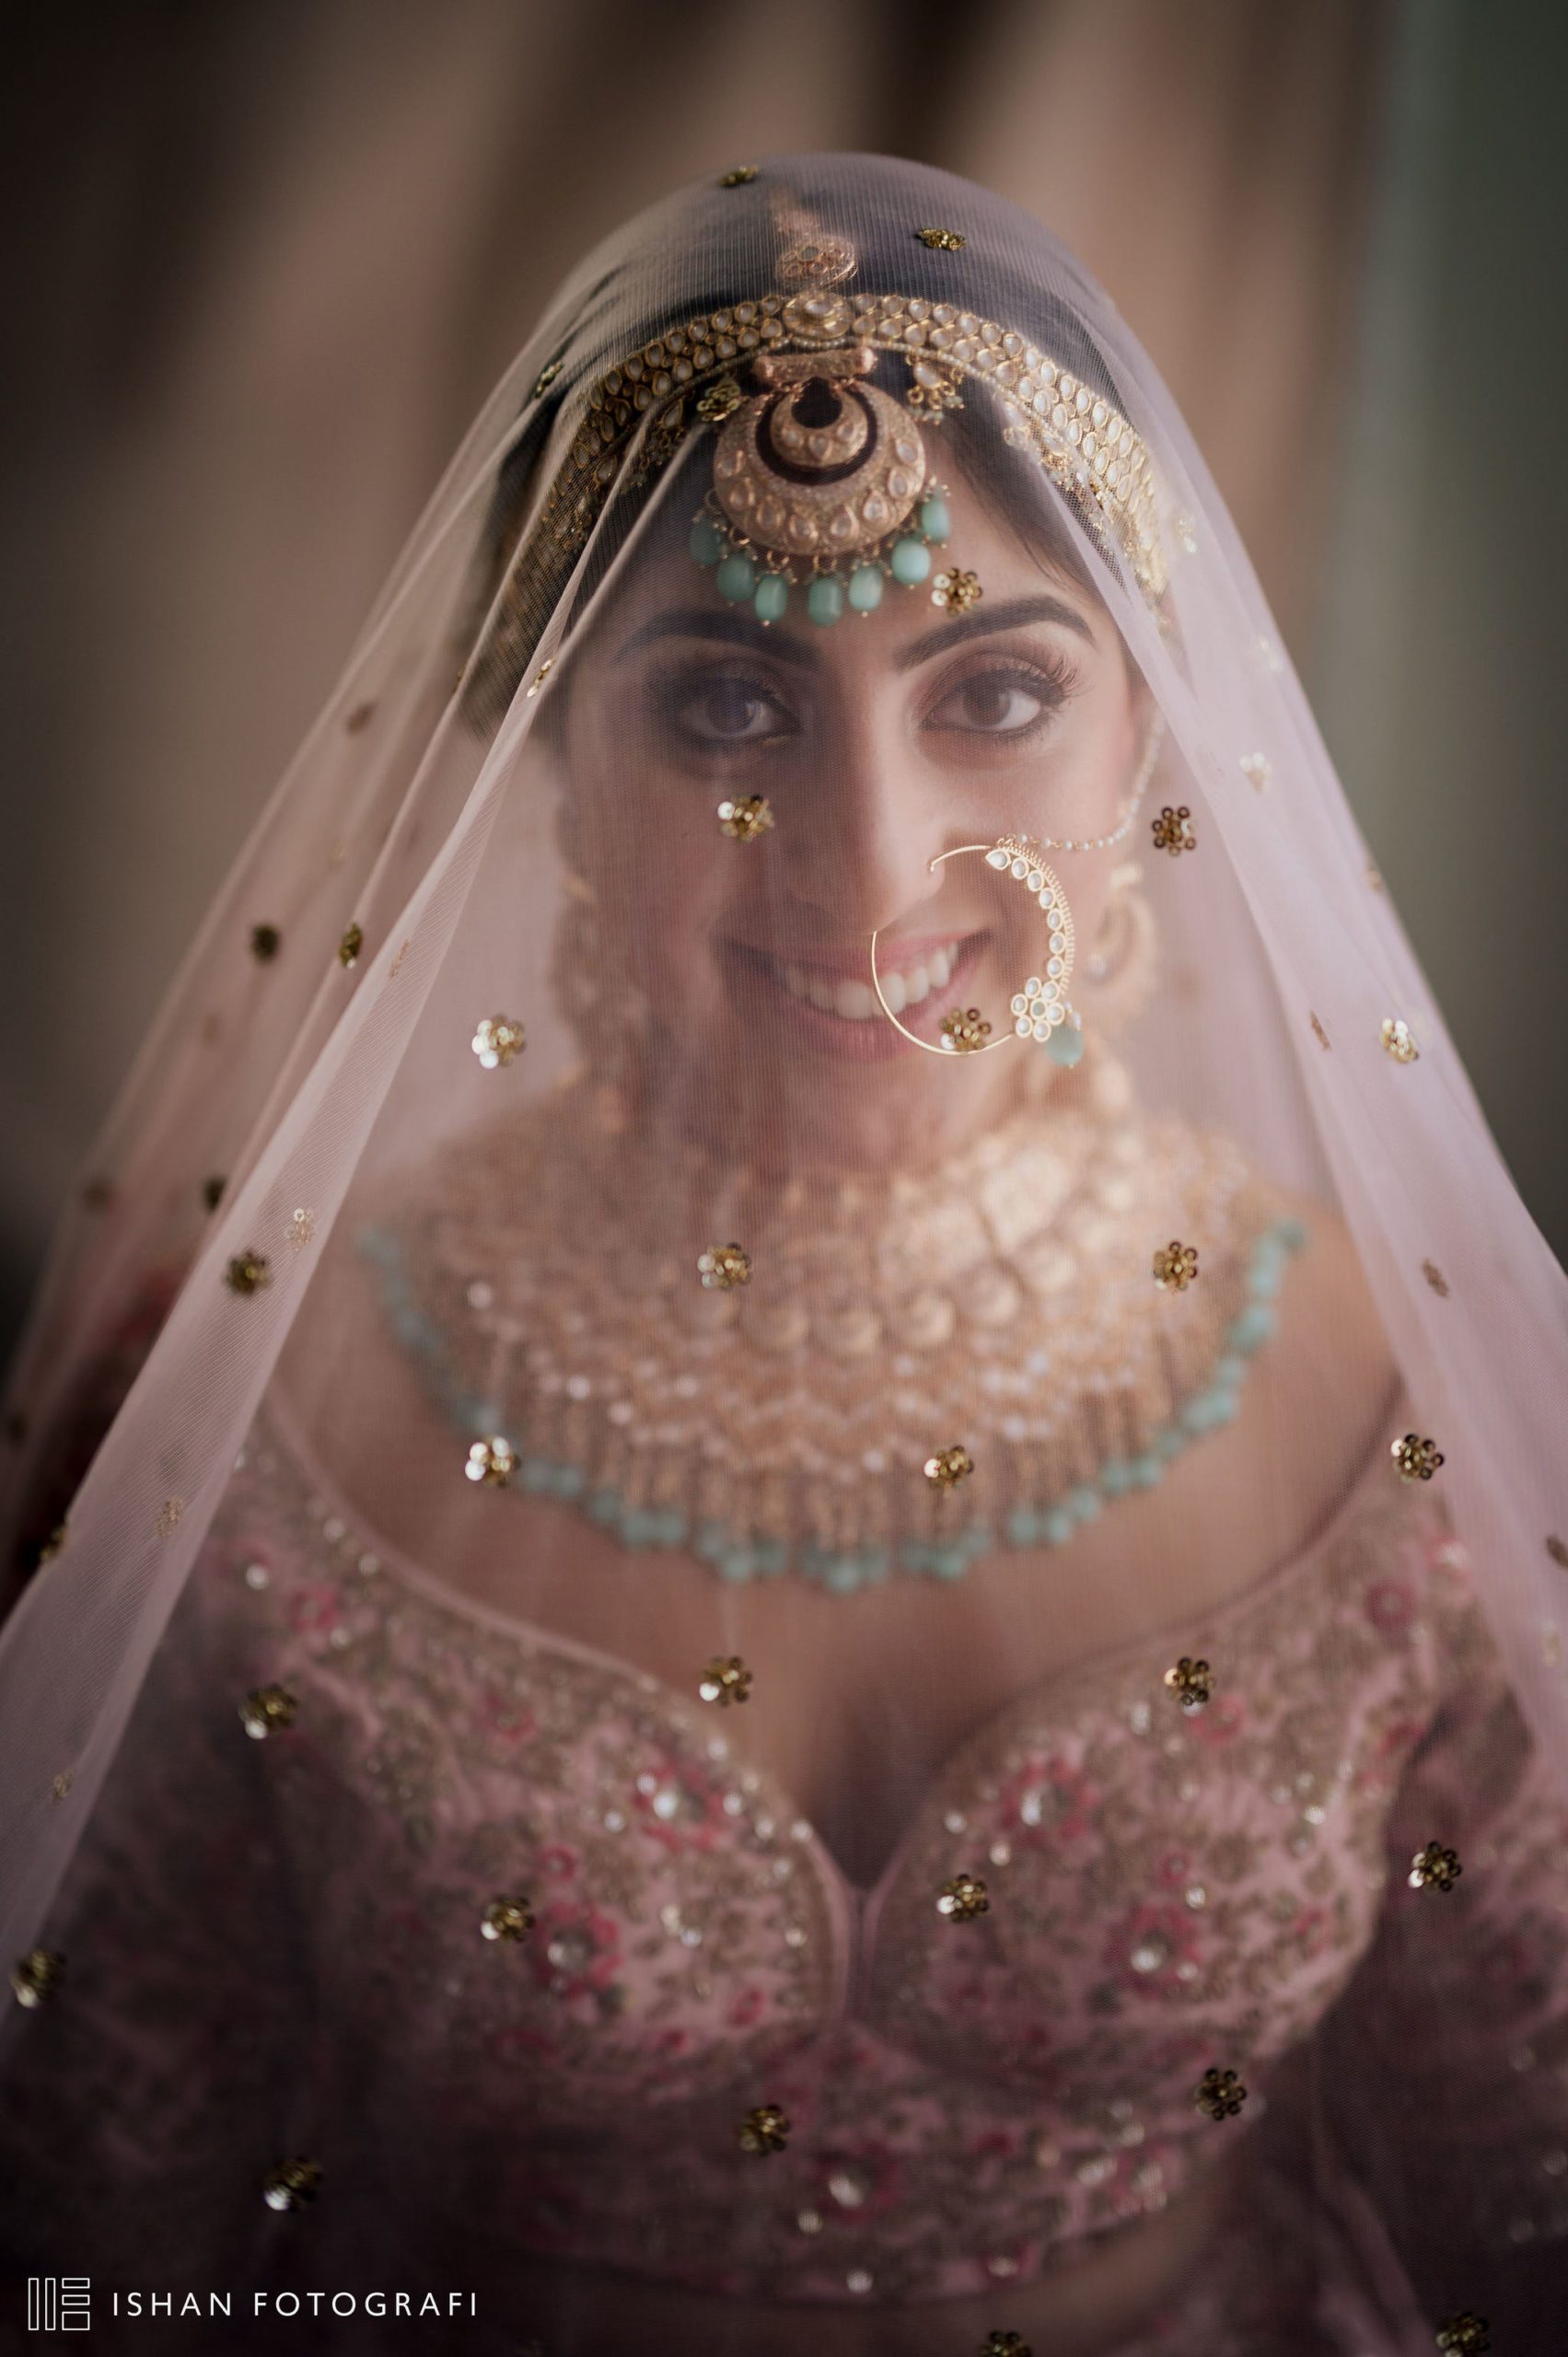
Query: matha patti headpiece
{"x": 638, "y": 416}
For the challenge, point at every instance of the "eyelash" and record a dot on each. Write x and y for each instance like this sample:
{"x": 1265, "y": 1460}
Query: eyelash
{"x": 1054, "y": 679}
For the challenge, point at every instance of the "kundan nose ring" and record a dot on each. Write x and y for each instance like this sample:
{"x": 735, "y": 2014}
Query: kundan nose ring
{"x": 1042, "y": 1009}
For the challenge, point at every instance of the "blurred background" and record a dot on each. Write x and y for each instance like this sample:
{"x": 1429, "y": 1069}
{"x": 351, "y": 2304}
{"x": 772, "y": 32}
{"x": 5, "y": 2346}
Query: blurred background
{"x": 262, "y": 258}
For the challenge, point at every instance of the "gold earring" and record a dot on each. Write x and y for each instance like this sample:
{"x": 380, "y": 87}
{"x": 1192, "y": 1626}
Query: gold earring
{"x": 1119, "y": 965}
{"x": 1041, "y": 1010}
{"x": 609, "y": 1019}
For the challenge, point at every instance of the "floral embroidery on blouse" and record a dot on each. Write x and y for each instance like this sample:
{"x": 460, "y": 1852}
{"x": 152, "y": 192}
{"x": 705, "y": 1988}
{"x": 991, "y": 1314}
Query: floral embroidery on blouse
{"x": 1166, "y": 1888}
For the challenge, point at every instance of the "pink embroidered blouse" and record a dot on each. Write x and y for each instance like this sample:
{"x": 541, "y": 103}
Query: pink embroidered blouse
{"x": 1181, "y": 1892}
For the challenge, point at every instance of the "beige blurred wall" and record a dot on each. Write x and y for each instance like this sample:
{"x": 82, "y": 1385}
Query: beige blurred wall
{"x": 1436, "y": 660}
{"x": 263, "y": 260}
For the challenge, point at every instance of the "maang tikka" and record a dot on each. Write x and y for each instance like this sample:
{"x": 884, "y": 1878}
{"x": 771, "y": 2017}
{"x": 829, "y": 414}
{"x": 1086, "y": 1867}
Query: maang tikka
{"x": 823, "y": 477}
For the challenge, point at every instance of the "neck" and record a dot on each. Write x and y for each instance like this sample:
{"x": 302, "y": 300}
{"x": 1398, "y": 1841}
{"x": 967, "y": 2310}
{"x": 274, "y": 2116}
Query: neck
{"x": 924, "y": 1136}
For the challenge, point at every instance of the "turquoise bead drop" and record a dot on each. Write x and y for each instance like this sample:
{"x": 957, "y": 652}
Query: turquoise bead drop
{"x": 706, "y": 542}
{"x": 865, "y": 588}
{"x": 770, "y": 602}
{"x": 911, "y": 562}
{"x": 1065, "y": 1045}
{"x": 736, "y": 579}
{"x": 825, "y": 599}
{"x": 935, "y": 521}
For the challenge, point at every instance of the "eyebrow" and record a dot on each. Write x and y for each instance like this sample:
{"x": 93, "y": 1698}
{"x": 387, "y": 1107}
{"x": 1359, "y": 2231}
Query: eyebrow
{"x": 1012, "y": 615}
{"x": 737, "y": 628}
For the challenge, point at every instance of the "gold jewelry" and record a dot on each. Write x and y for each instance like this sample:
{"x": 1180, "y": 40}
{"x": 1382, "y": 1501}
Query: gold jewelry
{"x": 609, "y": 1019}
{"x": 647, "y": 401}
{"x": 1119, "y": 968}
{"x": 813, "y": 257}
{"x": 817, "y": 472}
{"x": 1040, "y": 1010}
{"x": 636, "y": 1392}
{"x": 964, "y": 1031}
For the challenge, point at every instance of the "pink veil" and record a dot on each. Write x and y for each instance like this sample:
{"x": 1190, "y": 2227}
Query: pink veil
{"x": 409, "y": 879}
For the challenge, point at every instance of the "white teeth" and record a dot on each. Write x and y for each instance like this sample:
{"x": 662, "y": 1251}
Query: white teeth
{"x": 856, "y": 1001}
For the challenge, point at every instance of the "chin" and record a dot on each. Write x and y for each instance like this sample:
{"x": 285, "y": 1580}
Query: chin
{"x": 795, "y": 1111}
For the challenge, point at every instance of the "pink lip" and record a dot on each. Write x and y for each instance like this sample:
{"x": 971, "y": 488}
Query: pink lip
{"x": 873, "y": 1042}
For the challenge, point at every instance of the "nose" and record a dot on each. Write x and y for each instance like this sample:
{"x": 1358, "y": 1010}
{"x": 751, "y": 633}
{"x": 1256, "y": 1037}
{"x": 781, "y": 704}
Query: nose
{"x": 858, "y": 848}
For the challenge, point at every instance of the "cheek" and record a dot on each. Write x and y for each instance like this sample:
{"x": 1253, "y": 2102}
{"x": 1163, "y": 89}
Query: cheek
{"x": 1109, "y": 744}
{"x": 1087, "y": 893}
{"x": 665, "y": 880}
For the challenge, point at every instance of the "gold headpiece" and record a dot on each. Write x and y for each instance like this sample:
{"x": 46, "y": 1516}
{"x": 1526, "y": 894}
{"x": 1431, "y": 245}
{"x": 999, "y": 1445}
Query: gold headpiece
{"x": 656, "y": 393}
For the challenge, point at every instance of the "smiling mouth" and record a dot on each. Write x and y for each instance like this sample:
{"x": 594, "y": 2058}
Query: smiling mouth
{"x": 906, "y": 985}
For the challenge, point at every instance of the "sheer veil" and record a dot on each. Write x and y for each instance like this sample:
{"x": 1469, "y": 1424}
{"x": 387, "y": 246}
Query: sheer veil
{"x": 425, "y": 1089}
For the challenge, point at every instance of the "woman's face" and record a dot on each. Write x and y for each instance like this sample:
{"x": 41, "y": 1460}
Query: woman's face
{"x": 879, "y": 742}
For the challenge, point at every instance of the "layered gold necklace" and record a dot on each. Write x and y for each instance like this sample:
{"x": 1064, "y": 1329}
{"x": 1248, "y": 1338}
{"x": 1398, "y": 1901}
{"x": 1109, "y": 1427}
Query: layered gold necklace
{"x": 893, "y": 1377}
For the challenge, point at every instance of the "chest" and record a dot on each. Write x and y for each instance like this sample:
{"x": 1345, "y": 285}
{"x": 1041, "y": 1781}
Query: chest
{"x": 856, "y": 1705}
{"x": 688, "y": 1868}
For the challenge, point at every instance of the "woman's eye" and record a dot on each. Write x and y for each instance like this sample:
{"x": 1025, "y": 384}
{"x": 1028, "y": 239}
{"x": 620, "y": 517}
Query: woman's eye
{"x": 726, "y": 711}
{"x": 1001, "y": 704}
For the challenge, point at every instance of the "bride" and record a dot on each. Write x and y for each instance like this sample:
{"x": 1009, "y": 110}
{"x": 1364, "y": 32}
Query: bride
{"x": 843, "y": 1429}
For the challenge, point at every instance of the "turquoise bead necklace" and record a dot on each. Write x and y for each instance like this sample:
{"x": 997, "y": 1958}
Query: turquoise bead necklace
{"x": 616, "y": 1385}
{"x": 739, "y": 1556}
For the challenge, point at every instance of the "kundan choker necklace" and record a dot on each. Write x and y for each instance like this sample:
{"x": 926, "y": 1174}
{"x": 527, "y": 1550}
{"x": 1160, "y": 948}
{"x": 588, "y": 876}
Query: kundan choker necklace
{"x": 893, "y": 1377}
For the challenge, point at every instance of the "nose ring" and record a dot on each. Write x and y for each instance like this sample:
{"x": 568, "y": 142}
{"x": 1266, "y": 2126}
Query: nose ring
{"x": 1042, "y": 1011}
